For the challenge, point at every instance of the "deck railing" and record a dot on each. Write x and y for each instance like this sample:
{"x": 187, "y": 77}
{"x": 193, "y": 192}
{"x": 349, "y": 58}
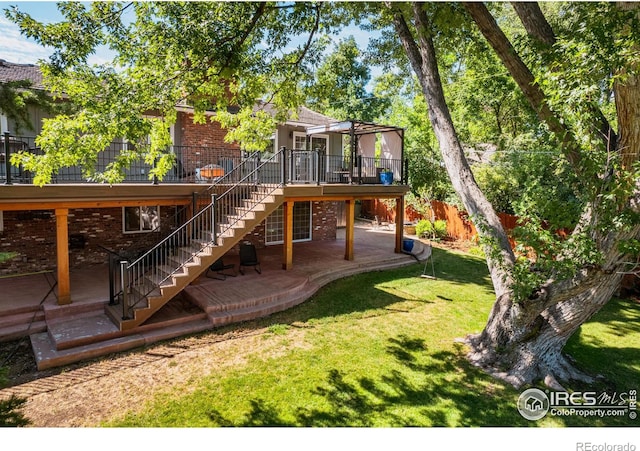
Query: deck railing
{"x": 241, "y": 190}
{"x": 201, "y": 164}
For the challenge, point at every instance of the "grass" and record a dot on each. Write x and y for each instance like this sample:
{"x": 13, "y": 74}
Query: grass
{"x": 379, "y": 350}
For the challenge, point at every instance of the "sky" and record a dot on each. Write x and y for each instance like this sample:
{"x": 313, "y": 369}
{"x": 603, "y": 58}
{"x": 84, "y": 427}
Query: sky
{"x": 16, "y": 48}
{"x": 19, "y": 49}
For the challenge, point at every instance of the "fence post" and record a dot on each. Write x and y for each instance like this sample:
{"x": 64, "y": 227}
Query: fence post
{"x": 359, "y": 164}
{"x": 124, "y": 282}
{"x": 7, "y": 155}
{"x": 317, "y": 154}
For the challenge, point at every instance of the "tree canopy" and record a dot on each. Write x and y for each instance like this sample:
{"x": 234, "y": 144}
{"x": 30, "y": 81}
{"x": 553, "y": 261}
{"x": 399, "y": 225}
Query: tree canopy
{"x": 554, "y": 88}
{"x": 213, "y": 56}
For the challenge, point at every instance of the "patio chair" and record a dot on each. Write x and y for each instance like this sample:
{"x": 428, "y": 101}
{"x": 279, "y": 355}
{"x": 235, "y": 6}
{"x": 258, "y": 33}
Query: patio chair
{"x": 378, "y": 224}
{"x": 218, "y": 268}
{"x": 249, "y": 257}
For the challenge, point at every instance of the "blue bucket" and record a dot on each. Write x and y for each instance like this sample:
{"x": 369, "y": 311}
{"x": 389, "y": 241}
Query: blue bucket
{"x": 407, "y": 245}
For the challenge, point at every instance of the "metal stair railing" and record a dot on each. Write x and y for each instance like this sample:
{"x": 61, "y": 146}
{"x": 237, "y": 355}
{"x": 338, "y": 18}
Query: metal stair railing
{"x": 243, "y": 189}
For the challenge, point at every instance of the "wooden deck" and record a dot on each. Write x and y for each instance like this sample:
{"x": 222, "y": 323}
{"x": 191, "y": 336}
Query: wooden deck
{"x": 81, "y": 330}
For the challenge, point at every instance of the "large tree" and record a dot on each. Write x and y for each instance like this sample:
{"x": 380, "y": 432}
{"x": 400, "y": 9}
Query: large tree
{"x": 220, "y": 57}
{"x": 339, "y": 85}
{"x": 213, "y": 55}
{"x": 541, "y": 302}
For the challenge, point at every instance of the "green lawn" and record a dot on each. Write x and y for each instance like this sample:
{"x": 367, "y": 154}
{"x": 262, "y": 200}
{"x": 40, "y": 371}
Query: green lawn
{"x": 379, "y": 349}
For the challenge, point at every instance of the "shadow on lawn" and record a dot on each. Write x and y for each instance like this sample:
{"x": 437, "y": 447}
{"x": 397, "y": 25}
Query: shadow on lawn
{"x": 426, "y": 389}
{"x": 439, "y": 389}
{"x": 364, "y": 293}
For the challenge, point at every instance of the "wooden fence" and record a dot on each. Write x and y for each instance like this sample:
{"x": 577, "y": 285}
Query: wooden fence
{"x": 459, "y": 226}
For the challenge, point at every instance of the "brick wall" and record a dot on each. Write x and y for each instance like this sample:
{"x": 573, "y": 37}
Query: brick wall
{"x": 324, "y": 220}
{"x": 202, "y": 144}
{"x": 32, "y": 235}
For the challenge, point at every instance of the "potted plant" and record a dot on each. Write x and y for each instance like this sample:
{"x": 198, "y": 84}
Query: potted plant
{"x": 386, "y": 176}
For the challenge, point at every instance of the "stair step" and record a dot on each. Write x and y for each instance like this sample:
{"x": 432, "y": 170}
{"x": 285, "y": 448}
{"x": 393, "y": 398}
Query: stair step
{"x": 159, "y": 280}
{"x": 21, "y": 324}
{"x": 221, "y": 318}
{"x": 47, "y": 356}
{"x": 81, "y": 331}
{"x": 21, "y": 318}
{"x": 14, "y": 331}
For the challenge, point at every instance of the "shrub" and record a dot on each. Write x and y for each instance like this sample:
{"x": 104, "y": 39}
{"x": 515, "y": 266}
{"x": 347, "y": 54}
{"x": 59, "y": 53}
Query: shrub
{"x": 10, "y": 414}
{"x": 424, "y": 228}
{"x": 440, "y": 228}
{"x": 434, "y": 230}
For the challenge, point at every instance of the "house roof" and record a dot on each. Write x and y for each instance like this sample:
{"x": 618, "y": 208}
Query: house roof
{"x": 305, "y": 116}
{"x": 16, "y": 72}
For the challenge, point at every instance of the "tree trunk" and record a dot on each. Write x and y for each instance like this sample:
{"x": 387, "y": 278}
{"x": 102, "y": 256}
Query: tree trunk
{"x": 500, "y": 256}
{"x": 523, "y": 339}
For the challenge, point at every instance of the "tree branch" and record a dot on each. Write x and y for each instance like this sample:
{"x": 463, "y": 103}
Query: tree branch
{"x": 539, "y": 28}
{"x": 523, "y": 77}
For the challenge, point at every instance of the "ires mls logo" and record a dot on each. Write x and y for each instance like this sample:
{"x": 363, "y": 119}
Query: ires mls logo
{"x": 534, "y": 404}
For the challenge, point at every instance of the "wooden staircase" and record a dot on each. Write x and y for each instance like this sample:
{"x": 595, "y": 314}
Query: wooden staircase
{"x": 186, "y": 263}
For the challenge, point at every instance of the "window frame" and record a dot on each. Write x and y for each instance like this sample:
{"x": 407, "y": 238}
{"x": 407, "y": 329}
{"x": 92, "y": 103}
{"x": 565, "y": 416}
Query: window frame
{"x": 141, "y": 224}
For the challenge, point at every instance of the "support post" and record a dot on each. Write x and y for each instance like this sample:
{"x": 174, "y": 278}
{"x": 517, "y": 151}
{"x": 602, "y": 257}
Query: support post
{"x": 349, "y": 235}
{"x": 287, "y": 249}
{"x": 399, "y": 224}
{"x": 62, "y": 251}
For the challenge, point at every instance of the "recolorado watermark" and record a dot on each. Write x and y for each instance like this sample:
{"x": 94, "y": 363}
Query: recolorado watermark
{"x": 588, "y": 446}
{"x": 534, "y": 404}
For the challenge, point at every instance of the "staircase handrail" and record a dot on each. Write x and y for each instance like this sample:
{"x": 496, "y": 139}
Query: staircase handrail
{"x": 174, "y": 239}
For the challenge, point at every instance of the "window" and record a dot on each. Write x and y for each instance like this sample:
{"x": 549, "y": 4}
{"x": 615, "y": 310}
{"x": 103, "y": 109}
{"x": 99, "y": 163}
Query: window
{"x": 140, "y": 219}
{"x": 274, "y": 225}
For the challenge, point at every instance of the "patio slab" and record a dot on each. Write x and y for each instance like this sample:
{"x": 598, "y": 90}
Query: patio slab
{"x": 81, "y": 330}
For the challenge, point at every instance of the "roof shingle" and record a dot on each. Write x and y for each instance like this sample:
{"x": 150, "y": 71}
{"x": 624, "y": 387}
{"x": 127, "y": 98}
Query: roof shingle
{"x": 16, "y": 72}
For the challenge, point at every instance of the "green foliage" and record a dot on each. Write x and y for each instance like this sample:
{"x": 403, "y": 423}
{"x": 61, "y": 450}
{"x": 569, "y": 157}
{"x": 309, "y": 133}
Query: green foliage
{"x": 424, "y": 228}
{"x": 15, "y": 99}
{"x": 6, "y": 256}
{"x": 10, "y": 415}
{"x": 440, "y": 228}
{"x": 166, "y": 55}
{"x": 434, "y": 230}
{"x": 338, "y": 88}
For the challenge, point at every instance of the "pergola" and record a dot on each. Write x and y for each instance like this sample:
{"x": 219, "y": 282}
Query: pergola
{"x": 362, "y": 142}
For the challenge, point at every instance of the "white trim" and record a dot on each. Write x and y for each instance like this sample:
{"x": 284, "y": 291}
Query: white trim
{"x": 4, "y": 123}
{"x": 299, "y": 135}
{"x": 326, "y": 139}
